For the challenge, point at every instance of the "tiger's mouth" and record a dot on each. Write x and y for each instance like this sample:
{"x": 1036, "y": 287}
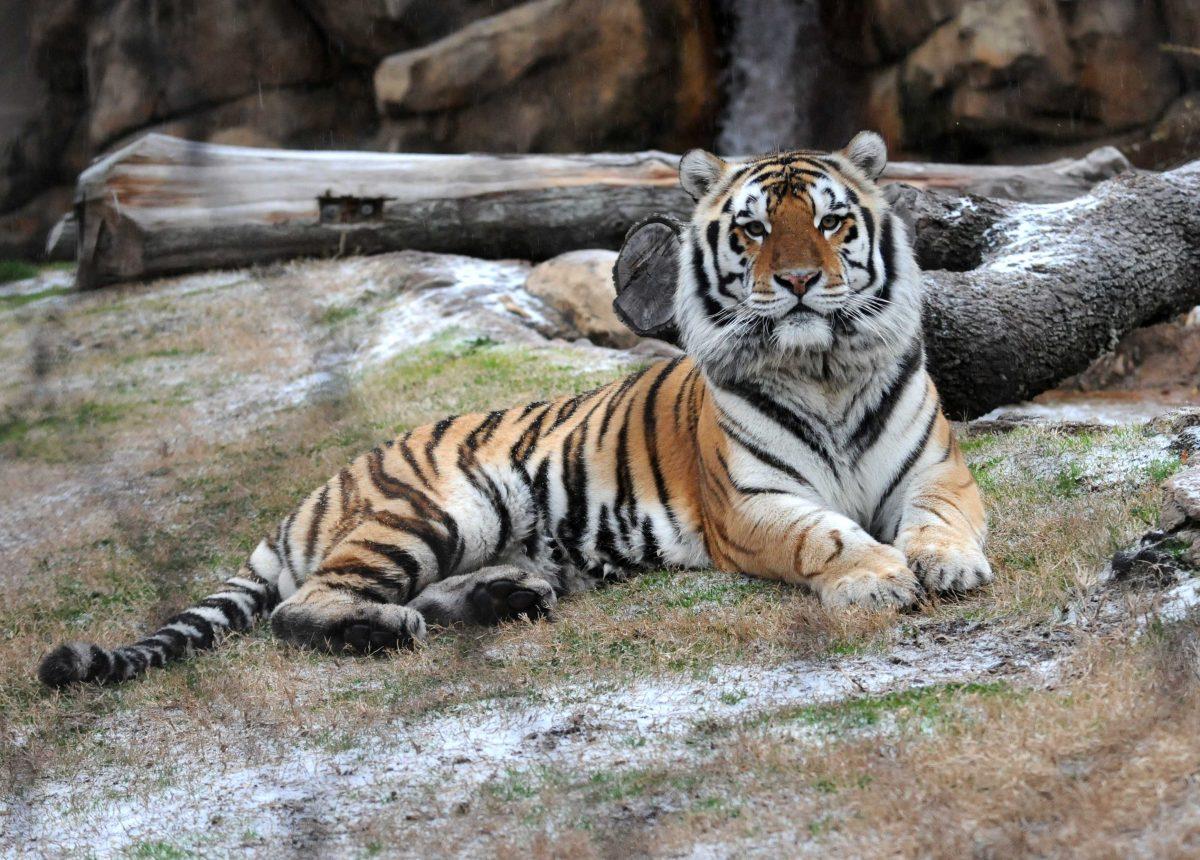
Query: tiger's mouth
{"x": 826, "y": 305}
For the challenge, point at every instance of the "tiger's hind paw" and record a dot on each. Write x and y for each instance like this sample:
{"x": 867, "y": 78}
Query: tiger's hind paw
{"x": 362, "y": 628}
{"x": 487, "y": 596}
{"x": 510, "y": 593}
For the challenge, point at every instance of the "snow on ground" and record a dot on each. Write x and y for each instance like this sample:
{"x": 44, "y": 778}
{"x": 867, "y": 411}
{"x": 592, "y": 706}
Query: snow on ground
{"x": 449, "y": 756}
{"x": 1107, "y": 408}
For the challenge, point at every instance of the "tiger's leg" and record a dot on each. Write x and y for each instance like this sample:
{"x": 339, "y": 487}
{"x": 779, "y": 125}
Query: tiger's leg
{"x": 788, "y": 538}
{"x": 354, "y": 599}
{"x": 487, "y": 596}
{"x": 942, "y": 526}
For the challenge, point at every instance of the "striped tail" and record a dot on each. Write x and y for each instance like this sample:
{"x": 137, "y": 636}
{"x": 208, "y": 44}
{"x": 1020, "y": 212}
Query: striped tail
{"x": 245, "y": 598}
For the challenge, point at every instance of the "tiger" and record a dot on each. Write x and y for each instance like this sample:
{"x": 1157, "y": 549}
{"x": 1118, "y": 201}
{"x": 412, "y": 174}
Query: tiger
{"x": 798, "y": 438}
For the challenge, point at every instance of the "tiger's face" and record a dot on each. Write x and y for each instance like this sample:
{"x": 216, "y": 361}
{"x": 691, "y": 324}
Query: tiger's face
{"x": 787, "y": 252}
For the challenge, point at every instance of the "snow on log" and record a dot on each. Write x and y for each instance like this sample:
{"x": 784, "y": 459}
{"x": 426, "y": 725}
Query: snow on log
{"x": 1018, "y": 295}
{"x": 1058, "y": 284}
{"x": 163, "y": 205}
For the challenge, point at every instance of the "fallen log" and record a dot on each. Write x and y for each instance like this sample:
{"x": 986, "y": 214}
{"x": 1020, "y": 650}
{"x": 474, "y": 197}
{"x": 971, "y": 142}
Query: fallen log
{"x": 164, "y": 206}
{"x": 1018, "y": 295}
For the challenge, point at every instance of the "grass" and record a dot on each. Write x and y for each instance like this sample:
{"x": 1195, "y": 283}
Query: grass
{"x": 173, "y": 499}
{"x": 335, "y": 314}
{"x": 17, "y": 300}
{"x": 928, "y": 703}
{"x": 16, "y": 270}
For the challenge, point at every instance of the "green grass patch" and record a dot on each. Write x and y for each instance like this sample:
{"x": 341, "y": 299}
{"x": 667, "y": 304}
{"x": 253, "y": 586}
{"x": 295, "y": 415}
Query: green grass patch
{"x": 85, "y": 415}
{"x": 21, "y": 299}
{"x": 1067, "y": 483}
{"x": 978, "y": 442}
{"x": 157, "y": 850}
{"x": 16, "y": 270}
{"x": 335, "y": 314}
{"x": 1163, "y": 468}
{"x": 922, "y": 703}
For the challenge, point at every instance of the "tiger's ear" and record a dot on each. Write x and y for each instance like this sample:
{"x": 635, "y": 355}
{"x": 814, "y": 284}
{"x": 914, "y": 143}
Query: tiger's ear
{"x": 868, "y": 153}
{"x": 698, "y": 170}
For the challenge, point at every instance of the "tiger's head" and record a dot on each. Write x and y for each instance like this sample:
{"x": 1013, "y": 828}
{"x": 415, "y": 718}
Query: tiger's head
{"x": 793, "y": 259}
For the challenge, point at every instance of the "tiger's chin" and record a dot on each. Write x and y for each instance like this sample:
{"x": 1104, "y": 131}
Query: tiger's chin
{"x": 803, "y": 332}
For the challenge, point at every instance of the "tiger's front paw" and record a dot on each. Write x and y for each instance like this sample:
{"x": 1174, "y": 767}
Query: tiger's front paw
{"x": 948, "y": 563}
{"x": 877, "y": 577}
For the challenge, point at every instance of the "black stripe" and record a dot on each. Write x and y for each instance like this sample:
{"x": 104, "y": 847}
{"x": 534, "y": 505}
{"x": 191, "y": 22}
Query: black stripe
{"x": 427, "y": 513}
{"x": 100, "y": 664}
{"x": 435, "y": 436}
{"x": 869, "y": 229}
{"x": 236, "y": 615}
{"x": 520, "y": 452}
{"x": 367, "y": 593}
{"x": 285, "y": 541}
{"x": 651, "y": 554}
{"x": 485, "y": 430}
{"x": 411, "y": 460}
{"x": 314, "y": 525}
{"x": 398, "y": 556}
{"x": 575, "y": 482}
{"x": 875, "y": 420}
{"x": 625, "y": 505}
{"x": 703, "y": 284}
{"x": 790, "y": 421}
{"x": 909, "y": 461}
{"x": 203, "y": 627}
{"x": 650, "y": 422}
{"x": 626, "y": 384}
{"x": 541, "y": 491}
{"x": 761, "y": 455}
{"x": 713, "y": 234}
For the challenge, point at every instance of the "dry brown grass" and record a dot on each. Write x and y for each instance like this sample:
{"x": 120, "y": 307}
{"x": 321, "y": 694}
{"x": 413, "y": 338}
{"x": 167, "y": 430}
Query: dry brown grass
{"x": 1105, "y": 766}
{"x": 175, "y": 502}
{"x": 1101, "y": 767}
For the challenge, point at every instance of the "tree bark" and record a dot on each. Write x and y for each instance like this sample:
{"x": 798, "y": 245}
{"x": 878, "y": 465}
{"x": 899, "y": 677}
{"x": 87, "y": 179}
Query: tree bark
{"x": 164, "y": 206}
{"x": 1018, "y": 295}
{"x": 1056, "y": 285}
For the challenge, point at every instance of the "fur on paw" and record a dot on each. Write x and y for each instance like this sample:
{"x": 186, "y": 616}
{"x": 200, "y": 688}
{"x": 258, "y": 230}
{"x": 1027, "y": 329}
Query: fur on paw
{"x": 878, "y": 578}
{"x": 376, "y": 631}
{"x": 948, "y": 566}
{"x": 509, "y": 593}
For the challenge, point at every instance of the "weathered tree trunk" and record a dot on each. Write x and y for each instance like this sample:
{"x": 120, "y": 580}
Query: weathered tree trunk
{"x": 163, "y": 205}
{"x": 1056, "y": 285}
{"x": 1018, "y": 296}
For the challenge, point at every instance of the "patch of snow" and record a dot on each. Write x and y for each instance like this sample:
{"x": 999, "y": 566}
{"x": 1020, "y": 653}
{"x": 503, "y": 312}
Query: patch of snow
{"x": 449, "y": 756}
{"x": 469, "y": 296}
{"x": 1179, "y": 602}
{"x": 1106, "y": 411}
{"x": 1026, "y": 261}
{"x": 965, "y": 204}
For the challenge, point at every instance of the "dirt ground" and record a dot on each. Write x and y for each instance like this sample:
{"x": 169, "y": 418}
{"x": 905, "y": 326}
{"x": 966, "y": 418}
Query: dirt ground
{"x": 149, "y": 435}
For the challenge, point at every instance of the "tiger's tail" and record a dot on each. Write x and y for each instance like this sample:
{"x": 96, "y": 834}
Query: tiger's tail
{"x": 246, "y": 598}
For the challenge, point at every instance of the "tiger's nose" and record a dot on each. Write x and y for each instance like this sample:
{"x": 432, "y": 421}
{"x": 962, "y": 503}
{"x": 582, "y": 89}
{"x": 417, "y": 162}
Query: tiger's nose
{"x": 799, "y": 281}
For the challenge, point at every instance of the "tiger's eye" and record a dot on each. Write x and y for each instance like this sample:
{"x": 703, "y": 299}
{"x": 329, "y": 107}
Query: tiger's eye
{"x": 830, "y": 222}
{"x": 755, "y": 229}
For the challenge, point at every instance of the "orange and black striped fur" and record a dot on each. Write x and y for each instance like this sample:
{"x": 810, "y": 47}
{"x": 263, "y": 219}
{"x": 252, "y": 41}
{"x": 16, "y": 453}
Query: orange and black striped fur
{"x": 800, "y": 440}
